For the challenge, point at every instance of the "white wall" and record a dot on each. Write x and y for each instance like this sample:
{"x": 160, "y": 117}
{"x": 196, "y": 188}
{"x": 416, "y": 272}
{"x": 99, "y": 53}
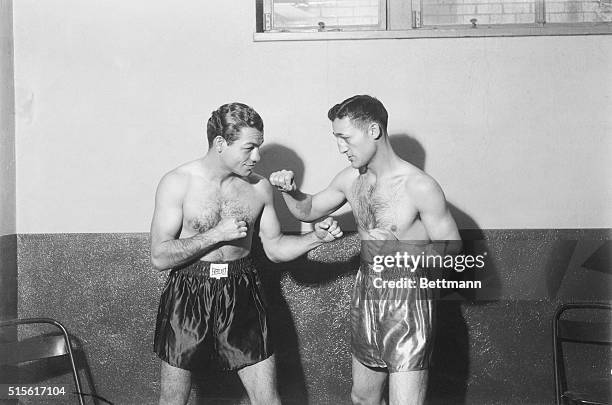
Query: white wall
{"x": 110, "y": 95}
{"x": 7, "y": 121}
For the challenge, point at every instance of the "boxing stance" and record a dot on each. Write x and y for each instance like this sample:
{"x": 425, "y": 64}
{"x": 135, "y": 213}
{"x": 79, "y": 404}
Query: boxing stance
{"x": 391, "y": 199}
{"x": 212, "y": 312}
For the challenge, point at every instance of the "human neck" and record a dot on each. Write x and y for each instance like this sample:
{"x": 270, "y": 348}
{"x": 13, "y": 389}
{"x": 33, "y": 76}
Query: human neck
{"x": 214, "y": 169}
{"x": 383, "y": 161}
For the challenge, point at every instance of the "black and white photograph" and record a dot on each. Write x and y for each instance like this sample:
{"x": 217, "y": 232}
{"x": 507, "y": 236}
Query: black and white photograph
{"x": 306, "y": 202}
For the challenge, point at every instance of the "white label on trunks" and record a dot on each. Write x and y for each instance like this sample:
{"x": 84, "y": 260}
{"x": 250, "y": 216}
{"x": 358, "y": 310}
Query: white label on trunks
{"x": 218, "y": 270}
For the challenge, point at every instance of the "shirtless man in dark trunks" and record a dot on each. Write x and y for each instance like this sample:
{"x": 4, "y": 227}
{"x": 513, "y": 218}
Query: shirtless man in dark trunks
{"x": 392, "y": 200}
{"x": 212, "y": 313}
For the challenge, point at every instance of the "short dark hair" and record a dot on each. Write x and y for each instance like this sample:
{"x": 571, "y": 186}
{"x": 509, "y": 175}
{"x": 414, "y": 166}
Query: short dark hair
{"x": 362, "y": 110}
{"x": 229, "y": 119}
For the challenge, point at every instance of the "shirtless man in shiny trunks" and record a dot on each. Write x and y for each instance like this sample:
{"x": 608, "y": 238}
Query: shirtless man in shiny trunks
{"x": 212, "y": 312}
{"x": 392, "y": 200}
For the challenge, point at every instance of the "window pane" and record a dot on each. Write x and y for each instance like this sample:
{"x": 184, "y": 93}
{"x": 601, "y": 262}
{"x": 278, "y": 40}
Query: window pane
{"x": 332, "y": 13}
{"x": 453, "y": 12}
{"x": 560, "y": 11}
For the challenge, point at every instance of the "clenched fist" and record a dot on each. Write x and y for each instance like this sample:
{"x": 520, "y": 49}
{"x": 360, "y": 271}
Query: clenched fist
{"x": 283, "y": 180}
{"x": 327, "y": 230}
{"x": 230, "y": 228}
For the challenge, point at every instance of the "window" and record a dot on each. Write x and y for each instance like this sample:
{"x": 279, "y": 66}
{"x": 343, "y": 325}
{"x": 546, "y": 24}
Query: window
{"x": 487, "y": 12}
{"x": 352, "y": 19}
{"x": 326, "y": 15}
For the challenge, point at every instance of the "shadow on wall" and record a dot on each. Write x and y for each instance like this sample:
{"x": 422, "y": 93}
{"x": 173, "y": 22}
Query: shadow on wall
{"x": 275, "y": 157}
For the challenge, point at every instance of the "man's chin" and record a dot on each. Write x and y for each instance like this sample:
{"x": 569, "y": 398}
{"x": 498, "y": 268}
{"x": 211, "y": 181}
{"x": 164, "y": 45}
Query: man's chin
{"x": 247, "y": 171}
{"x": 242, "y": 173}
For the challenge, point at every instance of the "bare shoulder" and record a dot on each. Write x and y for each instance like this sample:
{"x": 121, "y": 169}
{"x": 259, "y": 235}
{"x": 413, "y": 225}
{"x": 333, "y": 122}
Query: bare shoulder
{"x": 261, "y": 185}
{"x": 258, "y": 181}
{"x": 176, "y": 180}
{"x": 345, "y": 178}
{"x": 422, "y": 187}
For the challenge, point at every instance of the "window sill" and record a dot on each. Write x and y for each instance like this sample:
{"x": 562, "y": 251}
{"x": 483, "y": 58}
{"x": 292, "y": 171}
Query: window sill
{"x": 442, "y": 32}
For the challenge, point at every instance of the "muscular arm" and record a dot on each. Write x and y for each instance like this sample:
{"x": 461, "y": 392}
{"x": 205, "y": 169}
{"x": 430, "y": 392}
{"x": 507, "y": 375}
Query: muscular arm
{"x": 166, "y": 250}
{"x": 279, "y": 247}
{"x": 309, "y": 208}
{"x": 435, "y": 215}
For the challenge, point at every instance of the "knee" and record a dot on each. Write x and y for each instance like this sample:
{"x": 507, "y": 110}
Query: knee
{"x": 266, "y": 398}
{"x": 167, "y": 398}
{"x": 174, "y": 394}
{"x": 362, "y": 397}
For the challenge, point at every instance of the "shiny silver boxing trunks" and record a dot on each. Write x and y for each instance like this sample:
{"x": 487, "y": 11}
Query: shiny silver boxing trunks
{"x": 391, "y": 327}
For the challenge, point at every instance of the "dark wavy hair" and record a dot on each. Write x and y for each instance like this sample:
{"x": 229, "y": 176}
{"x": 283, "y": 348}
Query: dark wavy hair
{"x": 362, "y": 110}
{"x": 229, "y": 119}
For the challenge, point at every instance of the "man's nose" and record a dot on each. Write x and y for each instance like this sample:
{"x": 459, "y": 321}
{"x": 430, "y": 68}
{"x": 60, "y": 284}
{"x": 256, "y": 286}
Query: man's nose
{"x": 255, "y": 156}
{"x": 342, "y": 148}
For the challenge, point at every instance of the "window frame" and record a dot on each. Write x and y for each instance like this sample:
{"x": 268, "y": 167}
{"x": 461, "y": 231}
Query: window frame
{"x": 400, "y": 22}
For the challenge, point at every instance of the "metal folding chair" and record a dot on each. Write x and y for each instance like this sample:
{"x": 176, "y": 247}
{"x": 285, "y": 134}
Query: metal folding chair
{"x": 40, "y": 347}
{"x": 586, "y": 332}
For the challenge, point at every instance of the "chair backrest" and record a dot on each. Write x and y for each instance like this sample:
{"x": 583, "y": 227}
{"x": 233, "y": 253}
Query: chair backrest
{"x": 40, "y": 347}
{"x": 577, "y": 331}
{"x": 584, "y": 332}
{"x": 36, "y": 348}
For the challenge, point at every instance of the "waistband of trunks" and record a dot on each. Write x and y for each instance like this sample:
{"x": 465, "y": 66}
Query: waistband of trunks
{"x": 234, "y": 267}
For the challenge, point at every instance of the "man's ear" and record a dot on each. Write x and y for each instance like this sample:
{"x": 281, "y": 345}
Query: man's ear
{"x": 374, "y": 130}
{"x": 219, "y": 144}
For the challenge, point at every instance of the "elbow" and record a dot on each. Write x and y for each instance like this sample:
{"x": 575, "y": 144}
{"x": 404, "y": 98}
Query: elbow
{"x": 308, "y": 218}
{"x": 273, "y": 257}
{"x": 157, "y": 263}
{"x": 271, "y": 247}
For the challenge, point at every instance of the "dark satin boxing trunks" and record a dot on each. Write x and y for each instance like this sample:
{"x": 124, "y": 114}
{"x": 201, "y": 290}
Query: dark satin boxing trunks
{"x": 213, "y": 315}
{"x": 391, "y": 327}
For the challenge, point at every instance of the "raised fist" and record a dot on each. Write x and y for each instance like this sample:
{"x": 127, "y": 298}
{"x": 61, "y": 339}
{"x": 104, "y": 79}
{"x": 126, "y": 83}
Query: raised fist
{"x": 327, "y": 230}
{"x": 230, "y": 228}
{"x": 283, "y": 180}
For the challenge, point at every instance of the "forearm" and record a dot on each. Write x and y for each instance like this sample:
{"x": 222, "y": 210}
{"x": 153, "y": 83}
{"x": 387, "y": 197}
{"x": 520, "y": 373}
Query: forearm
{"x": 289, "y": 247}
{"x": 300, "y": 205}
{"x": 172, "y": 253}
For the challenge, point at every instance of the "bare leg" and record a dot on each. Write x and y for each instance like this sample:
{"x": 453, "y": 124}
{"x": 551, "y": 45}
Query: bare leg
{"x": 259, "y": 380}
{"x": 408, "y": 387}
{"x": 175, "y": 385}
{"x": 368, "y": 384}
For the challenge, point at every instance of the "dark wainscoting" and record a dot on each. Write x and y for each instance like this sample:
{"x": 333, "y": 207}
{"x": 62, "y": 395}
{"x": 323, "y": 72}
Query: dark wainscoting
{"x": 493, "y": 349}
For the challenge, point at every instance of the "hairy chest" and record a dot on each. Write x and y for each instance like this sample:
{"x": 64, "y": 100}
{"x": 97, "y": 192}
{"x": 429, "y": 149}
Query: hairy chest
{"x": 381, "y": 204}
{"x": 204, "y": 209}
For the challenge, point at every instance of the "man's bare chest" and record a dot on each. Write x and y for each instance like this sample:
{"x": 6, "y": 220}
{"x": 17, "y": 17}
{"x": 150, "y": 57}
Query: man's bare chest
{"x": 204, "y": 209}
{"x": 381, "y": 205}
